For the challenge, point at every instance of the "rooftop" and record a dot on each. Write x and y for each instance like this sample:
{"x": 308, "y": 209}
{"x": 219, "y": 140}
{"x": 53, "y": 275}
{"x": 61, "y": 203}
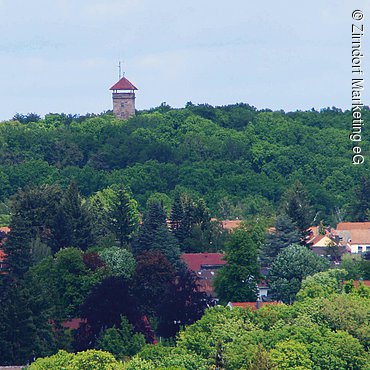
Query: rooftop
{"x": 195, "y": 261}
{"x": 123, "y": 84}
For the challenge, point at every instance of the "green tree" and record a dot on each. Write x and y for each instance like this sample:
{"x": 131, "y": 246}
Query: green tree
{"x": 290, "y": 267}
{"x": 290, "y": 354}
{"x": 338, "y": 351}
{"x": 121, "y": 262}
{"x": 122, "y": 342}
{"x": 237, "y": 280}
{"x": 322, "y": 284}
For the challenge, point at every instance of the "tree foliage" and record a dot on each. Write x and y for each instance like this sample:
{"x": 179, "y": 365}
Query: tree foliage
{"x": 237, "y": 280}
{"x": 290, "y": 267}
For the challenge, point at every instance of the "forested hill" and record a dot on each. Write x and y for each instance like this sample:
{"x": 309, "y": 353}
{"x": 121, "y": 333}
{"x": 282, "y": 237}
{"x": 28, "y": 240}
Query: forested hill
{"x": 239, "y": 159}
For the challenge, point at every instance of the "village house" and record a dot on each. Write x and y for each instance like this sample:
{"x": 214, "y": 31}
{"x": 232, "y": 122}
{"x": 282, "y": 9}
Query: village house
{"x": 205, "y": 266}
{"x": 355, "y": 236}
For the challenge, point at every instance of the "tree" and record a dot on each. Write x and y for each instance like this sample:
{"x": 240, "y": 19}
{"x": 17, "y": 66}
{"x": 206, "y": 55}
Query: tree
{"x": 237, "y": 280}
{"x": 154, "y": 235}
{"x": 123, "y": 215}
{"x": 290, "y": 267}
{"x": 177, "y": 217}
{"x": 153, "y": 278}
{"x": 122, "y": 342}
{"x": 117, "y": 212}
{"x": 120, "y": 261}
{"x": 285, "y": 234}
{"x": 360, "y": 209}
{"x": 297, "y": 206}
{"x": 182, "y": 304}
{"x": 290, "y": 354}
{"x": 87, "y": 360}
{"x": 103, "y": 308}
{"x": 33, "y": 210}
{"x": 25, "y": 330}
{"x": 322, "y": 284}
{"x": 77, "y": 219}
{"x": 18, "y": 246}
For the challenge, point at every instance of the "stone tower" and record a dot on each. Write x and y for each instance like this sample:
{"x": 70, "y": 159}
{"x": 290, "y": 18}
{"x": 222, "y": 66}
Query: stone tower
{"x": 123, "y": 99}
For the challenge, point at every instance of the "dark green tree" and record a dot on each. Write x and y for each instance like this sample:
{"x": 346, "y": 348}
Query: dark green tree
{"x": 18, "y": 246}
{"x": 25, "y": 327}
{"x": 177, "y": 217}
{"x": 296, "y": 205}
{"x": 123, "y": 215}
{"x": 285, "y": 234}
{"x": 360, "y": 210}
{"x": 115, "y": 213}
{"x": 77, "y": 219}
{"x": 154, "y": 235}
{"x": 237, "y": 280}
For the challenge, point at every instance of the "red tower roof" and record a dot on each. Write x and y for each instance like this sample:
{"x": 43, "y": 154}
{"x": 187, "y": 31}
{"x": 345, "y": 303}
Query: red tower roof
{"x": 123, "y": 84}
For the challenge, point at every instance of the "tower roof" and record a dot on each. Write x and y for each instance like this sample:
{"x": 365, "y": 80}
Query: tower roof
{"x": 123, "y": 84}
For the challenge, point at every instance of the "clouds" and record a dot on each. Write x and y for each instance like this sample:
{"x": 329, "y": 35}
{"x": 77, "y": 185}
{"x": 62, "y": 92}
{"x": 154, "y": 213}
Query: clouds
{"x": 277, "y": 55}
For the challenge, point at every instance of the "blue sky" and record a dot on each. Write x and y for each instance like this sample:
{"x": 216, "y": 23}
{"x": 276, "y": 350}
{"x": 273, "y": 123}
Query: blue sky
{"x": 61, "y": 55}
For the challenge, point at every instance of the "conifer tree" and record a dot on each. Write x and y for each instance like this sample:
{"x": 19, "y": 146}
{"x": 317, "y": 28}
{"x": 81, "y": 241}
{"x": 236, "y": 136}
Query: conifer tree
{"x": 177, "y": 217}
{"x": 18, "y": 246}
{"x": 154, "y": 235}
{"x": 77, "y": 219}
{"x": 285, "y": 234}
{"x": 297, "y": 206}
{"x": 361, "y": 207}
{"x": 122, "y": 215}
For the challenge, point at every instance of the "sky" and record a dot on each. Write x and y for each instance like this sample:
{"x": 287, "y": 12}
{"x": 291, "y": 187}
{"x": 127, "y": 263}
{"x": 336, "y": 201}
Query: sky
{"x": 62, "y": 55}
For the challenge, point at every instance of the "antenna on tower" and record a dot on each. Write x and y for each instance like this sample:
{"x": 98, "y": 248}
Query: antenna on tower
{"x": 119, "y": 70}
{"x": 120, "y": 73}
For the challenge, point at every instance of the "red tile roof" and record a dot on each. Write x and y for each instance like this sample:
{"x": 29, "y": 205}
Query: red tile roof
{"x": 251, "y": 305}
{"x": 353, "y": 226}
{"x": 195, "y": 261}
{"x": 360, "y": 236}
{"x": 231, "y": 224}
{"x": 123, "y": 84}
{"x": 73, "y": 324}
{"x": 5, "y": 229}
{"x": 356, "y": 283}
{"x": 2, "y": 255}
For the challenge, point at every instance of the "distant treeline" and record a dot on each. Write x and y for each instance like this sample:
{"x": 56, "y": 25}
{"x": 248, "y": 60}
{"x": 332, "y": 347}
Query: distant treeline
{"x": 239, "y": 159}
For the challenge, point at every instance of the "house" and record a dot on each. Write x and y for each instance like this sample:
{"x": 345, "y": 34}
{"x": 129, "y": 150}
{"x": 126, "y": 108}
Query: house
{"x": 355, "y": 236}
{"x": 205, "y": 266}
{"x": 327, "y": 246}
{"x": 252, "y": 305}
{"x": 231, "y": 225}
{"x": 228, "y": 225}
